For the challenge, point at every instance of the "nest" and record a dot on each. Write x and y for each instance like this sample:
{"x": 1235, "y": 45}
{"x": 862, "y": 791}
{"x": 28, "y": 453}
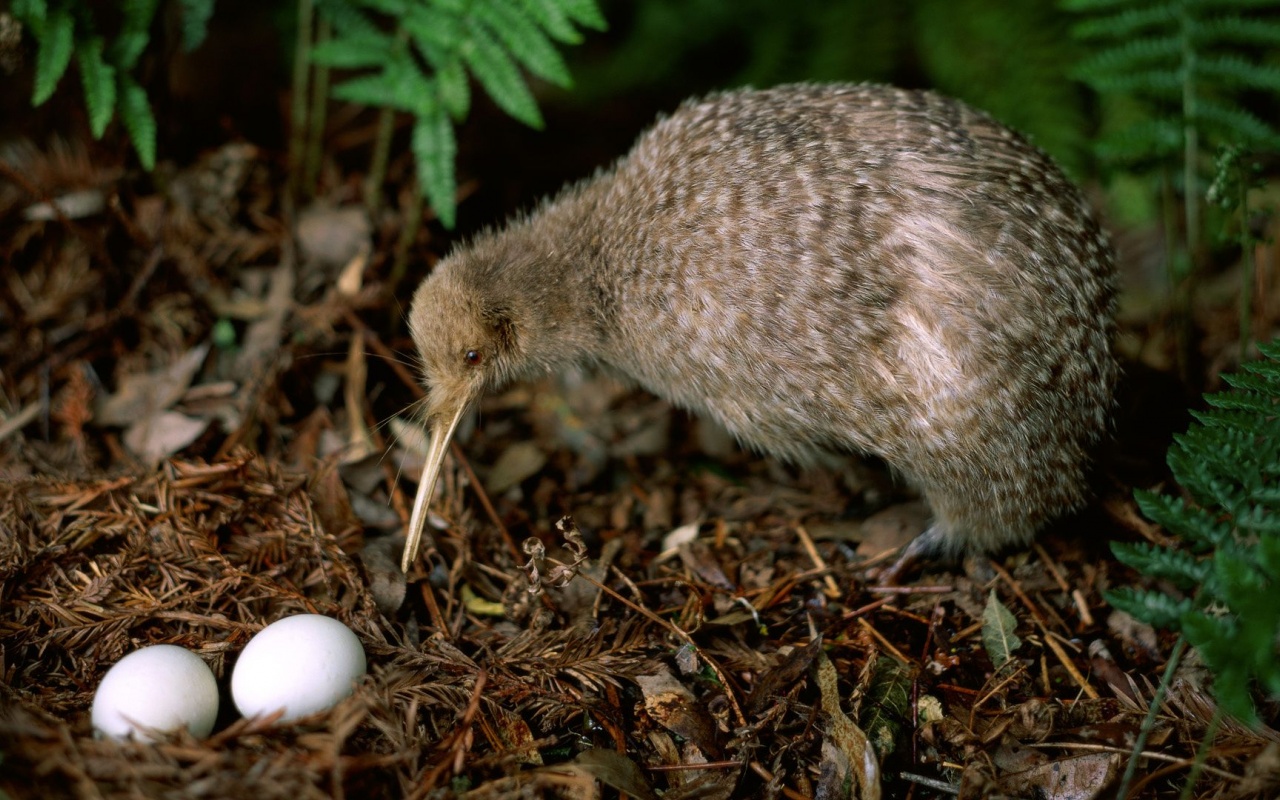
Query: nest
{"x": 203, "y": 556}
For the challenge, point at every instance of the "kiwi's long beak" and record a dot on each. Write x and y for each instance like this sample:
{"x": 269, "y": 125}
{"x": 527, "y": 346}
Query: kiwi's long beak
{"x": 441, "y": 434}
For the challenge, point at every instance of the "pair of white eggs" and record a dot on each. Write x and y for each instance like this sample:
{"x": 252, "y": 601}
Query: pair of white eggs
{"x": 299, "y": 665}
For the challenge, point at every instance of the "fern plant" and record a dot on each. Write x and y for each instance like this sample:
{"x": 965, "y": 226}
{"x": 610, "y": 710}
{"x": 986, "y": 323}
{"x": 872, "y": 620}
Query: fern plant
{"x": 1236, "y": 175}
{"x": 1229, "y": 572}
{"x": 419, "y": 53}
{"x": 1179, "y": 69}
{"x": 71, "y": 29}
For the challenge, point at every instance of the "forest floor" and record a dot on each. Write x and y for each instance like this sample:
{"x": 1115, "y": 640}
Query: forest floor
{"x": 204, "y": 427}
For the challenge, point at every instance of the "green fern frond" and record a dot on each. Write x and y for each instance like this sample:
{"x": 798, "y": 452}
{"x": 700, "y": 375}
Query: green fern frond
{"x": 57, "y": 41}
{"x": 99, "y": 81}
{"x": 1128, "y": 22}
{"x": 33, "y": 14}
{"x": 135, "y": 113}
{"x": 1160, "y": 83}
{"x": 1217, "y": 639}
{"x": 492, "y": 39}
{"x": 1228, "y": 461}
{"x": 522, "y": 36}
{"x": 134, "y": 35}
{"x": 1233, "y": 71}
{"x": 1266, "y": 382}
{"x": 1173, "y": 514}
{"x": 1180, "y": 567}
{"x": 1244, "y": 401}
{"x": 400, "y": 85}
{"x": 454, "y": 88}
{"x": 553, "y": 19}
{"x": 1155, "y": 608}
{"x": 1113, "y": 62}
{"x": 434, "y": 28}
{"x": 347, "y": 19}
{"x": 356, "y": 51}
{"x": 1149, "y": 140}
{"x": 584, "y": 12}
{"x": 1239, "y": 30}
{"x": 498, "y": 75}
{"x": 195, "y": 22}
{"x": 1260, "y": 518}
{"x": 434, "y": 149}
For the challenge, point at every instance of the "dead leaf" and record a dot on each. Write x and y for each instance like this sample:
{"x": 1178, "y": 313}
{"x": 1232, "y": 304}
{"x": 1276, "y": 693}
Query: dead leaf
{"x": 159, "y": 436}
{"x": 781, "y": 678}
{"x": 263, "y": 336}
{"x": 330, "y": 238}
{"x": 143, "y": 395}
{"x": 675, "y": 708}
{"x": 360, "y": 440}
{"x": 677, "y": 538}
{"x": 888, "y": 704}
{"x": 1074, "y": 778}
{"x": 616, "y": 771}
{"x": 512, "y": 735}
{"x": 519, "y": 461}
{"x": 847, "y": 736}
{"x": 892, "y": 528}
{"x": 330, "y": 500}
{"x": 381, "y": 559}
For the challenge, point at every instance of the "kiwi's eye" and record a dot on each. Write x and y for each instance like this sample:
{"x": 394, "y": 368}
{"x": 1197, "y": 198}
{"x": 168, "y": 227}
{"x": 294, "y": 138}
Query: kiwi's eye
{"x": 473, "y": 358}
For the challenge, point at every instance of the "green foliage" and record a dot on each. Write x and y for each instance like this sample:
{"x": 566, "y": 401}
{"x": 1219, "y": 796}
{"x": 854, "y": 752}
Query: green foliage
{"x": 1187, "y": 64}
{"x": 1236, "y": 175}
{"x": 888, "y": 705}
{"x": 1228, "y": 462}
{"x": 67, "y": 29}
{"x": 1006, "y": 58}
{"x": 418, "y": 54}
{"x": 998, "y": 626}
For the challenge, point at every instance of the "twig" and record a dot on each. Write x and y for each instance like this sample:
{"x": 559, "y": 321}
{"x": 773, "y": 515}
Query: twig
{"x": 19, "y": 421}
{"x": 1148, "y": 754}
{"x": 679, "y": 633}
{"x": 1049, "y": 640}
{"x": 1086, "y": 617}
{"x": 932, "y": 783}
{"x": 885, "y": 643}
{"x": 760, "y": 770}
{"x": 831, "y": 590}
{"x": 1150, "y": 721}
{"x": 458, "y": 742}
{"x": 94, "y": 243}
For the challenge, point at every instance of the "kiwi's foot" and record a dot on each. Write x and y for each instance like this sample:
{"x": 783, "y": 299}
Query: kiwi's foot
{"x": 926, "y": 547}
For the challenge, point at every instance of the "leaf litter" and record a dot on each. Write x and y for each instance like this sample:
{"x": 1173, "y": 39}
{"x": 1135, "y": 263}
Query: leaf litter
{"x": 202, "y": 432}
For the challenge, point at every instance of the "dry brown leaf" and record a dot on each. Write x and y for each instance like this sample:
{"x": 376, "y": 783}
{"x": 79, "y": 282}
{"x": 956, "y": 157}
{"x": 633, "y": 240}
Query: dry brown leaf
{"x": 1081, "y": 777}
{"x": 616, "y": 771}
{"x": 846, "y": 735}
{"x": 145, "y": 394}
{"x": 675, "y": 708}
{"x": 518, "y": 462}
{"x": 892, "y": 528}
{"x": 159, "y": 436}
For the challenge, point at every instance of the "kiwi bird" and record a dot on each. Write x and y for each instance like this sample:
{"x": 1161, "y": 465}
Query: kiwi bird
{"x": 817, "y": 267}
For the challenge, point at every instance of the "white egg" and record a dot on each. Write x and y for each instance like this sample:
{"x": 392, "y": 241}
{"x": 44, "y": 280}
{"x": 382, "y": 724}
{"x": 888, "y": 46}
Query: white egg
{"x": 161, "y": 688}
{"x": 303, "y": 665}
